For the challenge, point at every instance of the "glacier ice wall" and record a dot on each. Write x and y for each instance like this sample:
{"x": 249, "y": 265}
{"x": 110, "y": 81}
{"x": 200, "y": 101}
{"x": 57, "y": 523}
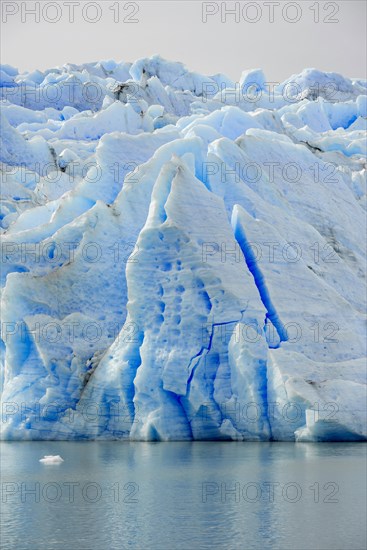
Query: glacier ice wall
{"x": 183, "y": 256}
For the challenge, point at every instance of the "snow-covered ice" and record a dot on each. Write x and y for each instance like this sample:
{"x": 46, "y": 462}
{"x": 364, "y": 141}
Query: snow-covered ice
{"x": 183, "y": 256}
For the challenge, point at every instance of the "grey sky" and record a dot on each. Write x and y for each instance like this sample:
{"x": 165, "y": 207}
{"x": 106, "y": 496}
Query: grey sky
{"x": 175, "y": 29}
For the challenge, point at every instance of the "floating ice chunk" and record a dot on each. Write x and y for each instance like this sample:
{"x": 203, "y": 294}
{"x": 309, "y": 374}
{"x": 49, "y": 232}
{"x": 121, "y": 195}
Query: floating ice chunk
{"x": 51, "y": 459}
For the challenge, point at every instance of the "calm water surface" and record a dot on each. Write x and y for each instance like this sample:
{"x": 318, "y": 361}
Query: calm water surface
{"x": 202, "y": 495}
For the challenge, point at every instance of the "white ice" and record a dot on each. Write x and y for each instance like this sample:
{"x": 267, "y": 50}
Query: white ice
{"x": 183, "y": 256}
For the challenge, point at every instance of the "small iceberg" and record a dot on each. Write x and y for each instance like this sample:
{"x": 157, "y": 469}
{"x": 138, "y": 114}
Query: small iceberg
{"x": 51, "y": 459}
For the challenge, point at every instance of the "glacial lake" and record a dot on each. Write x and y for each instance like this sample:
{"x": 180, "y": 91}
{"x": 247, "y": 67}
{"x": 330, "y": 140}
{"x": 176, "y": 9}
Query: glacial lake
{"x": 199, "y": 495}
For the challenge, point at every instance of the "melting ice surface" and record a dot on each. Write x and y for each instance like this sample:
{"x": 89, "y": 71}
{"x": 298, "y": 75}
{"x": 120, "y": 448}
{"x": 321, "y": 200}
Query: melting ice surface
{"x": 182, "y": 256}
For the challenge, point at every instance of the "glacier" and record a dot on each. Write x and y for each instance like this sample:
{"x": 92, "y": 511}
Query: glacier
{"x": 183, "y": 256}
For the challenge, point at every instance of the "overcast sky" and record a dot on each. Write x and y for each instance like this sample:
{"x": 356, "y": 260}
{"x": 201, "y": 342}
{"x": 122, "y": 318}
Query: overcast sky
{"x": 330, "y": 36}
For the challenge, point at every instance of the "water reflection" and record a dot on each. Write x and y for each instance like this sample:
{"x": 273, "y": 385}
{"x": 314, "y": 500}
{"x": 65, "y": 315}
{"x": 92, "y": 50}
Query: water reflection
{"x": 183, "y": 495}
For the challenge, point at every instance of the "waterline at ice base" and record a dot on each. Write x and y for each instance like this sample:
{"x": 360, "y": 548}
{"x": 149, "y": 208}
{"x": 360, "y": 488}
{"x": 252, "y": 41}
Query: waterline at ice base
{"x": 183, "y": 256}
